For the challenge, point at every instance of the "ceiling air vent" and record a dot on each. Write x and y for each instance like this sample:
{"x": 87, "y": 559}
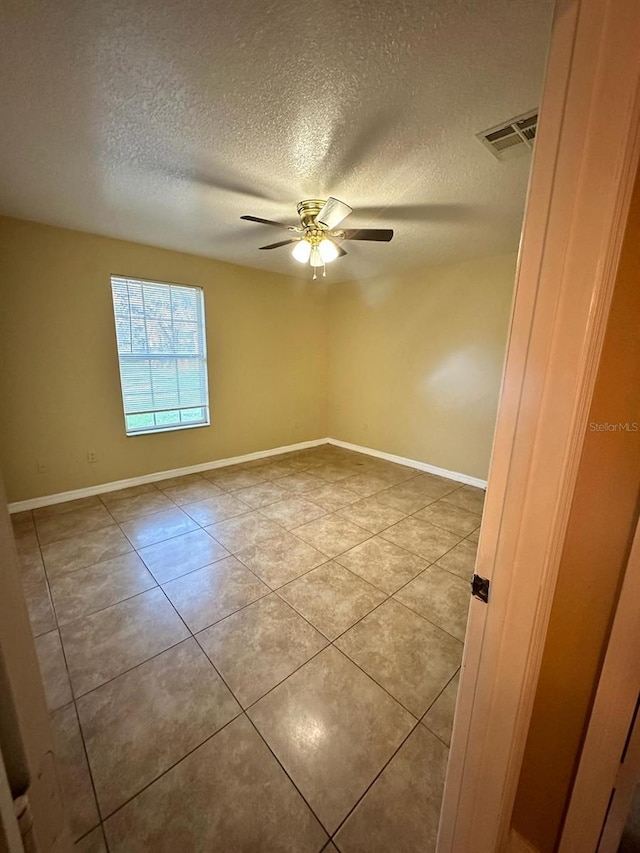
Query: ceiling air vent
{"x": 511, "y": 138}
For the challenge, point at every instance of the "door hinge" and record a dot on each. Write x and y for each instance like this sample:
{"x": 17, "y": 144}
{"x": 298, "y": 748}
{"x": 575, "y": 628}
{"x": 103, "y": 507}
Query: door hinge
{"x": 480, "y": 588}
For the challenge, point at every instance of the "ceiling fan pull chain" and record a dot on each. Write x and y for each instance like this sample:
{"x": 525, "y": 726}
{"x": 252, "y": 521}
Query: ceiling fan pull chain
{"x": 314, "y": 275}
{"x": 324, "y": 271}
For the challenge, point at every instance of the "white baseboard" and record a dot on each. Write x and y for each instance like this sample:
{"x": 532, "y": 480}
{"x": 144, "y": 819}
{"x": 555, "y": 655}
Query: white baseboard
{"x": 101, "y": 488}
{"x": 412, "y": 463}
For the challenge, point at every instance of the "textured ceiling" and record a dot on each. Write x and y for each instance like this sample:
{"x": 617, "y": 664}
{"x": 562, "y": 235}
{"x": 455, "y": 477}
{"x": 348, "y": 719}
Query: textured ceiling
{"x": 162, "y": 121}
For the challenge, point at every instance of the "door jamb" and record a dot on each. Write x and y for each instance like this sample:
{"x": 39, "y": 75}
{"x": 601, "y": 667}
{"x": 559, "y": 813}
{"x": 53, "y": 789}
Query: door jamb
{"x": 607, "y": 732}
{"x": 584, "y": 167}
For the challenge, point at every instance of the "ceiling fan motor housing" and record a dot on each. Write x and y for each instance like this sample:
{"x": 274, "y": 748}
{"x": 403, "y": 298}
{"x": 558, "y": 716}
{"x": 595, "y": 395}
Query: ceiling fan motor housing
{"x": 308, "y": 210}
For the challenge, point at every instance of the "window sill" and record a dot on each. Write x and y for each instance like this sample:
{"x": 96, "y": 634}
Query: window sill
{"x": 172, "y": 428}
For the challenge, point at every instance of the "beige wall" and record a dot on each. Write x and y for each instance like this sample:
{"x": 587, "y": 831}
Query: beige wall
{"x": 415, "y": 361}
{"x": 59, "y": 381}
{"x": 410, "y": 365}
{"x": 602, "y": 522}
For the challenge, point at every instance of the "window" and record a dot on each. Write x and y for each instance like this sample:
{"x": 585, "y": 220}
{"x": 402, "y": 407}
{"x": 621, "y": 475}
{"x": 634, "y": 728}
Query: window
{"x": 162, "y": 354}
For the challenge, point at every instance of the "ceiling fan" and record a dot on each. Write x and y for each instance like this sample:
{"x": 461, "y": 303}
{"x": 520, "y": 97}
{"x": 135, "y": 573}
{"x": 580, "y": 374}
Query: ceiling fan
{"x": 318, "y": 237}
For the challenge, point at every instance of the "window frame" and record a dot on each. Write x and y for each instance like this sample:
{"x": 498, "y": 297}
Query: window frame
{"x": 155, "y": 430}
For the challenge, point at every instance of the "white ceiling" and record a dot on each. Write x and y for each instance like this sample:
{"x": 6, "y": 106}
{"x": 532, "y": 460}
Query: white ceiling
{"x": 162, "y": 121}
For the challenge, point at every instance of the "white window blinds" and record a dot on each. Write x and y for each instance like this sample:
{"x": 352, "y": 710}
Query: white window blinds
{"x": 162, "y": 353}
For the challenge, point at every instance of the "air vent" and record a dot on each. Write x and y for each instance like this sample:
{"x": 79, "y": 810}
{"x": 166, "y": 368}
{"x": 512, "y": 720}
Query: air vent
{"x": 511, "y": 138}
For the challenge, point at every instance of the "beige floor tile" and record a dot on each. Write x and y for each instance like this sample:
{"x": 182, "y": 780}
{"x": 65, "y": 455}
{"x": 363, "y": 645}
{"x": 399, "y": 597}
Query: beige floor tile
{"x": 230, "y": 481}
{"x": 53, "y": 670}
{"x": 307, "y": 459}
{"x": 440, "y": 597}
{"x": 314, "y": 722}
{"x": 261, "y": 495}
{"x": 188, "y": 493}
{"x": 401, "y": 811}
{"x": 468, "y": 497}
{"x": 259, "y": 646}
{"x": 27, "y": 544}
{"x": 450, "y": 517}
{"x": 474, "y": 537}
{"x": 72, "y": 524}
{"x": 382, "y": 563}
{"x": 408, "y": 656}
{"x": 391, "y": 472}
{"x": 96, "y": 587}
{"x": 335, "y": 472}
{"x": 244, "y": 530}
{"x": 22, "y": 522}
{"x": 149, "y": 529}
{"x": 332, "y": 534}
{"x": 421, "y": 538}
{"x": 407, "y": 497}
{"x": 208, "y": 595}
{"x": 460, "y": 560}
{"x": 179, "y": 480}
{"x": 66, "y": 506}
{"x": 182, "y": 554}
{"x": 137, "y": 506}
{"x": 108, "y": 498}
{"x": 105, "y": 644}
{"x": 276, "y": 469}
{"x": 439, "y": 717}
{"x": 300, "y": 482}
{"x": 141, "y": 723}
{"x": 31, "y": 568}
{"x": 332, "y": 496}
{"x": 66, "y": 556}
{"x": 292, "y": 512}
{"x": 93, "y": 842}
{"x": 280, "y": 559}
{"x": 256, "y": 806}
{"x": 371, "y": 515}
{"x": 367, "y": 484}
{"x": 38, "y": 603}
{"x": 215, "y": 509}
{"x": 331, "y": 598}
{"x": 73, "y": 772}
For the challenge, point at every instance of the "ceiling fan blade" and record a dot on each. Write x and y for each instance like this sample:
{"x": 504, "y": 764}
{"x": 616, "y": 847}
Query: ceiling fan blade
{"x": 382, "y": 235}
{"x": 341, "y": 252}
{"x": 267, "y": 222}
{"x": 333, "y": 212}
{"x": 281, "y": 243}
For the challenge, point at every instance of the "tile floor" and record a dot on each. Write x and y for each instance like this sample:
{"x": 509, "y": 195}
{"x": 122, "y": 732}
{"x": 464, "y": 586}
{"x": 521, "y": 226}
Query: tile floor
{"x": 263, "y": 657}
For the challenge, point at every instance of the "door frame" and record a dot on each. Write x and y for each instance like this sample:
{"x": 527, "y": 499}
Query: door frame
{"x": 607, "y": 732}
{"x": 586, "y": 157}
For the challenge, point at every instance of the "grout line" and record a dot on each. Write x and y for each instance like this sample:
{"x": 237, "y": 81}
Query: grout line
{"x": 282, "y": 767}
{"x": 129, "y": 669}
{"x": 374, "y": 780}
{"x": 434, "y": 702}
{"x": 175, "y": 764}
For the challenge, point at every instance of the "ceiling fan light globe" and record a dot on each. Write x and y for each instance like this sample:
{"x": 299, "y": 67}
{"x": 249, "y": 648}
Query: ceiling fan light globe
{"x": 328, "y": 250}
{"x": 301, "y": 251}
{"x": 315, "y": 258}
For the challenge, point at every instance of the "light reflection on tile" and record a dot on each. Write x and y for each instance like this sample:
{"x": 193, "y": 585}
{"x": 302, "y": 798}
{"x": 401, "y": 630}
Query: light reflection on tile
{"x": 209, "y": 594}
{"x": 314, "y": 723}
{"x": 259, "y": 646}
{"x": 256, "y": 806}
{"x": 401, "y": 810}
{"x": 100, "y": 646}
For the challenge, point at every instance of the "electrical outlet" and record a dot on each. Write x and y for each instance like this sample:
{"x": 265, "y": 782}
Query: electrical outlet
{"x": 43, "y": 467}
{"x": 92, "y": 456}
